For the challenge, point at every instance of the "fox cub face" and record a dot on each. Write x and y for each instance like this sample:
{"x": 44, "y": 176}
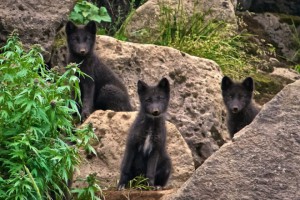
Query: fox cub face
{"x": 81, "y": 39}
{"x": 237, "y": 96}
{"x": 154, "y": 99}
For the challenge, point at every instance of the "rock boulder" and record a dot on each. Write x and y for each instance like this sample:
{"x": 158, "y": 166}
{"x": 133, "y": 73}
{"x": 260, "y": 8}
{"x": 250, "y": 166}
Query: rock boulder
{"x": 112, "y": 129}
{"x": 37, "y": 22}
{"x": 262, "y": 161}
{"x": 146, "y": 20}
{"x": 196, "y": 106}
{"x": 279, "y": 32}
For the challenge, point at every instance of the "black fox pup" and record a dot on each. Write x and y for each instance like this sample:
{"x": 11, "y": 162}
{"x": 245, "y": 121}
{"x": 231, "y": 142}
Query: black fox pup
{"x": 238, "y": 99}
{"x": 145, "y": 152}
{"x": 104, "y": 90}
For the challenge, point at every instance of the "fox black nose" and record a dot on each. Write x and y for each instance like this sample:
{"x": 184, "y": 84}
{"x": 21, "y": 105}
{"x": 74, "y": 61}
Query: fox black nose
{"x": 155, "y": 112}
{"x": 235, "y": 109}
{"x": 82, "y": 51}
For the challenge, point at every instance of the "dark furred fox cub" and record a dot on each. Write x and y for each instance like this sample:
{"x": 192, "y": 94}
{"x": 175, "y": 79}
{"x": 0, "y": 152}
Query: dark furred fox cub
{"x": 145, "y": 152}
{"x": 105, "y": 90}
{"x": 238, "y": 99}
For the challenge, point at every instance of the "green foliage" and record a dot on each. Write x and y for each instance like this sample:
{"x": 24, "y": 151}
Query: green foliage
{"x": 139, "y": 183}
{"x": 297, "y": 68}
{"x": 84, "y": 12}
{"x": 120, "y": 33}
{"x": 83, "y": 137}
{"x": 36, "y": 122}
{"x": 213, "y": 39}
{"x": 90, "y": 191}
{"x": 296, "y": 40}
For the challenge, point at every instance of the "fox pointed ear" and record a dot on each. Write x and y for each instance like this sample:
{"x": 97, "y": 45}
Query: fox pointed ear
{"x": 226, "y": 83}
{"x": 70, "y": 27}
{"x": 248, "y": 83}
{"x": 91, "y": 27}
{"x": 164, "y": 84}
{"x": 142, "y": 87}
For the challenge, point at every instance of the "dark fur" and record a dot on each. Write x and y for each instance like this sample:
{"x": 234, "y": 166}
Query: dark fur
{"x": 238, "y": 99}
{"x": 105, "y": 90}
{"x": 153, "y": 162}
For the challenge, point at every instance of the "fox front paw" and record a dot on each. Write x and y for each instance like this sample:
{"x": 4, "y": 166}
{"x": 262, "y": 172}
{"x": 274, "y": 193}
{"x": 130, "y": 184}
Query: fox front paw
{"x": 121, "y": 187}
{"x": 84, "y": 115}
{"x": 158, "y": 187}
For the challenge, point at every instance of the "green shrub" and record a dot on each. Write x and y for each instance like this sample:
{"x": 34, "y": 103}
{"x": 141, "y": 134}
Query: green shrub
{"x": 84, "y": 12}
{"x": 36, "y": 125}
{"x": 89, "y": 192}
{"x": 212, "y": 39}
{"x": 120, "y": 32}
{"x": 297, "y": 68}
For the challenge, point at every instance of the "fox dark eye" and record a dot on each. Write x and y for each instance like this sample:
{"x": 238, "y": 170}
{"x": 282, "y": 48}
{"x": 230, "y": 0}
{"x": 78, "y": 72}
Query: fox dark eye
{"x": 75, "y": 39}
{"x": 87, "y": 38}
{"x": 148, "y": 100}
{"x": 240, "y": 96}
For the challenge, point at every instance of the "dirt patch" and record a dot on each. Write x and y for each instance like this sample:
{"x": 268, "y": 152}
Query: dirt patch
{"x": 137, "y": 195}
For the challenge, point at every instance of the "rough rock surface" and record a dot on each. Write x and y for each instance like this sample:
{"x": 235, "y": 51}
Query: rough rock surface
{"x": 196, "y": 106}
{"x": 279, "y": 33}
{"x": 37, "y": 21}
{"x": 289, "y": 74}
{"x": 262, "y": 162}
{"x": 146, "y": 20}
{"x": 112, "y": 130}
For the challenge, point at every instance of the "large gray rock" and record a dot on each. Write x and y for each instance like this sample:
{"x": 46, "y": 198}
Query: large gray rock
{"x": 196, "y": 106}
{"x": 112, "y": 129}
{"x": 279, "y": 32}
{"x": 145, "y": 22}
{"x": 286, "y": 73}
{"x": 262, "y": 162}
{"x": 36, "y": 21}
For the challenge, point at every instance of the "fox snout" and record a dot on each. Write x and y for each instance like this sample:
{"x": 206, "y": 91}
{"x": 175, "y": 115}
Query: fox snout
{"x": 82, "y": 51}
{"x": 235, "y": 109}
{"x": 236, "y": 106}
{"x": 155, "y": 112}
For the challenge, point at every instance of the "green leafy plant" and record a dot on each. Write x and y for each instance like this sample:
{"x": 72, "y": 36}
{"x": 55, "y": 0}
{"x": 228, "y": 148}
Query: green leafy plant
{"x": 36, "y": 125}
{"x": 84, "y": 12}
{"x": 297, "y": 68}
{"x": 89, "y": 192}
{"x": 120, "y": 33}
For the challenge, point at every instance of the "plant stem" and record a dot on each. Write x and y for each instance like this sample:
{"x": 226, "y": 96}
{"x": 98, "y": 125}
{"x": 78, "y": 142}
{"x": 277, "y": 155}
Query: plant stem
{"x": 33, "y": 182}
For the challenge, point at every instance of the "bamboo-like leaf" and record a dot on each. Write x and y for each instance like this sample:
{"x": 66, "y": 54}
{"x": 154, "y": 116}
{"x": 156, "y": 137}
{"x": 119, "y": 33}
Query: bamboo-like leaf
{"x": 36, "y": 109}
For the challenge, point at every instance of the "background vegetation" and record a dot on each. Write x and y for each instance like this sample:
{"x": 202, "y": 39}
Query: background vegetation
{"x": 233, "y": 48}
{"x": 37, "y": 111}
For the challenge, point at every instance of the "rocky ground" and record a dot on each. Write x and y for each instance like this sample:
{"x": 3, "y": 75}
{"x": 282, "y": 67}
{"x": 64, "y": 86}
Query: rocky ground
{"x": 262, "y": 161}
